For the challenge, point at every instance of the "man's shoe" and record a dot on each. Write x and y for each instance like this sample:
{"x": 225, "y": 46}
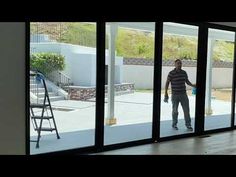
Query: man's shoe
{"x": 175, "y": 127}
{"x": 189, "y": 128}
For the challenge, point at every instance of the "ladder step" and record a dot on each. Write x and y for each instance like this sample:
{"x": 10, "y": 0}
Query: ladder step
{"x": 39, "y": 105}
{"x": 39, "y": 117}
{"x": 46, "y": 129}
{"x": 43, "y": 95}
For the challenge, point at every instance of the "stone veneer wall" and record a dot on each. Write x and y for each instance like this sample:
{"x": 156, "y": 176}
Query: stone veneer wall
{"x": 81, "y": 93}
{"x": 186, "y": 63}
{"x": 86, "y": 93}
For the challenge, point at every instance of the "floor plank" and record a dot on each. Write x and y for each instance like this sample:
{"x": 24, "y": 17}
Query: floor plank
{"x": 214, "y": 144}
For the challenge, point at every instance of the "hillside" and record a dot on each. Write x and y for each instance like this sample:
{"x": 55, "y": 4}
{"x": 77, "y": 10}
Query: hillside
{"x": 131, "y": 43}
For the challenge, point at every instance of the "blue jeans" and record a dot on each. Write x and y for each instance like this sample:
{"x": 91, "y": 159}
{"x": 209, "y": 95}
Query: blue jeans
{"x": 183, "y": 99}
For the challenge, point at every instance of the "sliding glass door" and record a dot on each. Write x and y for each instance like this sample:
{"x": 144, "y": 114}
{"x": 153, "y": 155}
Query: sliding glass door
{"x": 129, "y": 82}
{"x": 179, "y": 65}
{"x": 62, "y": 85}
{"x": 220, "y": 56}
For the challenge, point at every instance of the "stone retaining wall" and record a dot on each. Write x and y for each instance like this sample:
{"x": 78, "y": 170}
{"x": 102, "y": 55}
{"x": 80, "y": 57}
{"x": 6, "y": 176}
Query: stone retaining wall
{"x": 186, "y": 63}
{"x": 86, "y": 93}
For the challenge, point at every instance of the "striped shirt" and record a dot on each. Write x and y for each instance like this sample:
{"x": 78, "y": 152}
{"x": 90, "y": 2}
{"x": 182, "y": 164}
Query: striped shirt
{"x": 177, "y": 80}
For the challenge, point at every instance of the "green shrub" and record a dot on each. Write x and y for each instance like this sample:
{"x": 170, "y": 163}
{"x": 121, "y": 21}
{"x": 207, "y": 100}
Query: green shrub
{"x": 47, "y": 62}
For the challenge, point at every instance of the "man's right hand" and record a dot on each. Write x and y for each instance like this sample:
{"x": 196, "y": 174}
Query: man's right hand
{"x": 166, "y": 98}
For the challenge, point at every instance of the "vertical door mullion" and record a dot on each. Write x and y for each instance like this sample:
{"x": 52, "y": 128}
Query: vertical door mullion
{"x": 27, "y": 86}
{"x": 100, "y": 86}
{"x": 157, "y": 80}
{"x": 233, "y": 89}
{"x": 201, "y": 78}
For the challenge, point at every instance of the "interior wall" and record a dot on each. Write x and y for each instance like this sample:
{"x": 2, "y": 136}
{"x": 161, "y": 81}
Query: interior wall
{"x": 12, "y": 88}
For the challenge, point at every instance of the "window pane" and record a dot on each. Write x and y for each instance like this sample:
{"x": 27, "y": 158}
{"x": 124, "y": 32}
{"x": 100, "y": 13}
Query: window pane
{"x": 219, "y": 79}
{"x": 65, "y": 54}
{"x": 129, "y": 84}
{"x": 179, "y": 42}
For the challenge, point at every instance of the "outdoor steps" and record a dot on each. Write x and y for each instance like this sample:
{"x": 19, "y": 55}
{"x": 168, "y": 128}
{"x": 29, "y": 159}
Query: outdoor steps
{"x": 38, "y": 91}
{"x": 51, "y": 94}
{"x": 34, "y": 85}
{"x": 52, "y": 98}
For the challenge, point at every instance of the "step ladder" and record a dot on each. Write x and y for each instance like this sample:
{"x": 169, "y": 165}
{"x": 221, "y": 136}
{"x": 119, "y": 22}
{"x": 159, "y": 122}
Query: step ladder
{"x": 40, "y": 112}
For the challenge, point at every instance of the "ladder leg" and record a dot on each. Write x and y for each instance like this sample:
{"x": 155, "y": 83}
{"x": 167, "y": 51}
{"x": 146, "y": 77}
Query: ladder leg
{"x": 54, "y": 122}
{"x": 35, "y": 122}
{"x": 40, "y": 127}
{"x": 53, "y": 119}
{"x": 39, "y": 133}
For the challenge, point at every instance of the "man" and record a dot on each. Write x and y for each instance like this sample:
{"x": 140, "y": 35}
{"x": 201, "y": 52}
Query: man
{"x": 178, "y": 77}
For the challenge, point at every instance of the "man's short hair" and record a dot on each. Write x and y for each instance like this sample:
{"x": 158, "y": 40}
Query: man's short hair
{"x": 177, "y": 60}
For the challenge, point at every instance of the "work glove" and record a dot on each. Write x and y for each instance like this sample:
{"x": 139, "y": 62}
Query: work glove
{"x": 166, "y": 98}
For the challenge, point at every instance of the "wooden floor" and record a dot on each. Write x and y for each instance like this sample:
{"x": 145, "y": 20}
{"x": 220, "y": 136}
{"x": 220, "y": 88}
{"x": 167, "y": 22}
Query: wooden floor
{"x": 212, "y": 144}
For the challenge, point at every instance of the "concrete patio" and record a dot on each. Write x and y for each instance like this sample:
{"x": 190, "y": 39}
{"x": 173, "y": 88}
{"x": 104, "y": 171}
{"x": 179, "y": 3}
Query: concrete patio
{"x": 76, "y": 122}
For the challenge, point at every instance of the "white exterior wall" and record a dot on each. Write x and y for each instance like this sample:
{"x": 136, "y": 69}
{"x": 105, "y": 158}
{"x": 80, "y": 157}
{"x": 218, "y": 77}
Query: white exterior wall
{"x": 142, "y": 76}
{"x": 44, "y": 47}
{"x": 83, "y": 69}
{"x": 222, "y": 77}
{"x": 80, "y": 61}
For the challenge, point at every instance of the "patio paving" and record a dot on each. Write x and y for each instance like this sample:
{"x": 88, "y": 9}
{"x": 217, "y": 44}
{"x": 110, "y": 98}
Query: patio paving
{"x": 76, "y": 121}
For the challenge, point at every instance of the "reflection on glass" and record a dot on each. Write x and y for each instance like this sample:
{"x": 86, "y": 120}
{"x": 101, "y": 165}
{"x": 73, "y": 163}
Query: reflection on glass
{"x": 219, "y": 79}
